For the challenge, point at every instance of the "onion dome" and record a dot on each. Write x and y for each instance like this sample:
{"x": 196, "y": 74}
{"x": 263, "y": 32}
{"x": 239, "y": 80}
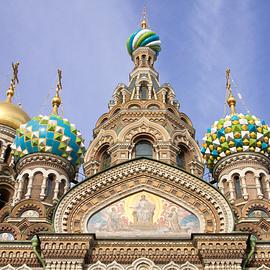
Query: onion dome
{"x": 50, "y": 134}
{"x": 233, "y": 134}
{"x": 12, "y": 115}
{"x": 143, "y": 38}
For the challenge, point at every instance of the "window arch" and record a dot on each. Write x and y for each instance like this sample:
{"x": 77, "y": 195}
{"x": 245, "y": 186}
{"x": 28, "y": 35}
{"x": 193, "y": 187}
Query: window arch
{"x": 237, "y": 186}
{"x": 144, "y": 148}
{"x": 5, "y": 196}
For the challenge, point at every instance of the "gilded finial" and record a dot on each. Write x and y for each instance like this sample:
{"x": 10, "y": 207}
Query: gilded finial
{"x": 231, "y": 99}
{"x": 56, "y": 101}
{"x": 144, "y": 23}
{"x": 13, "y": 83}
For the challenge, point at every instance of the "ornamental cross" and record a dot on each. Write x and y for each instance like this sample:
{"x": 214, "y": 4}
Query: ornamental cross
{"x": 15, "y": 73}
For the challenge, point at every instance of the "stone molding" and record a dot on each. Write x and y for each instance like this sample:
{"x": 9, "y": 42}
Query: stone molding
{"x": 46, "y": 160}
{"x": 245, "y": 159}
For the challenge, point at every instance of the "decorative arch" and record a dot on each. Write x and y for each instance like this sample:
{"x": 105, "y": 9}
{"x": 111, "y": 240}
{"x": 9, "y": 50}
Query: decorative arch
{"x": 263, "y": 267}
{"x": 97, "y": 266}
{"x": 7, "y": 267}
{"x": 183, "y": 137}
{"x": 24, "y": 267}
{"x": 28, "y": 204}
{"x": 143, "y": 126}
{"x": 12, "y": 229}
{"x": 255, "y": 204}
{"x": 34, "y": 229}
{"x": 104, "y": 137}
{"x": 153, "y": 176}
{"x": 142, "y": 264}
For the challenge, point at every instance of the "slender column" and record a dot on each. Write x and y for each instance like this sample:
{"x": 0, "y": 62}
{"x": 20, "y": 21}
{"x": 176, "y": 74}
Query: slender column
{"x": 258, "y": 188}
{"x": 137, "y": 95}
{"x": 124, "y": 96}
{"x": 231, "y": 190}
{"x": 267, "y": 187}
{"x": 56, "y": 189}
{"x": 19, "y": 193}
{"x": 43, "y": 187}
{"x": 29, "y": 187}
{"x": 149, "y": 92}
{"x": 244, "y": 187}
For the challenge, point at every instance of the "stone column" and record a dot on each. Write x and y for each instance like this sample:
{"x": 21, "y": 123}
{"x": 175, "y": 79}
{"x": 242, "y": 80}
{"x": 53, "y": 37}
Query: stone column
{"x": 137, "y": 94}
{"x": 258, "y": 187}
{"x": 244, "y": 187}
{"x": 29, "y": 187}
{"x": 56, "y": 189}
{"x": 20, "y": 186}
{"x": 43, "y": 187}
{"x": 231, "y": 190}
{"x": 149, "y": 92}
{"x": 221, "y": 186}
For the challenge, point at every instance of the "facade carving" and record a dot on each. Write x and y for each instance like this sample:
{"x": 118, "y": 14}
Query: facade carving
{"x": 143, "y": 204}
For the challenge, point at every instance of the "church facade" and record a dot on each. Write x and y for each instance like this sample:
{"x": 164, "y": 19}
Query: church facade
{"x": 143, "y": 204}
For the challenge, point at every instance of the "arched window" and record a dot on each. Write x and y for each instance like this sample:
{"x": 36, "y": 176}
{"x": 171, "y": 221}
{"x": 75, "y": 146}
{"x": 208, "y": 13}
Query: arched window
{"x": 144, "y": 149}
{"x": 7, "y": 155}
{"x": 49, "y": 186}
{"x": 143, "y": 91}
{"x": 105, "y": 160}
{"x": 25, "y": 185}
{"x": 237, "y": 186}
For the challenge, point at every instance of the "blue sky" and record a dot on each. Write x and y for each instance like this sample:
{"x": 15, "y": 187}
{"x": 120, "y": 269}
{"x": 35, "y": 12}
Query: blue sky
{"x": 86, "y": 39}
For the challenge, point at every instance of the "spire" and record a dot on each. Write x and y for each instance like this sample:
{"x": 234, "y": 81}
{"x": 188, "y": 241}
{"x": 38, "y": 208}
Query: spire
{"x": 144, "y": 21}
{"x": 14, "y": 81}
{"x": 56, "y": 101}
{"x": 231, "y": 99}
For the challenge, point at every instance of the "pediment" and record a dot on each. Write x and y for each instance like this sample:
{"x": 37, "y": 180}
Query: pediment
{"x": 143, "y": 188}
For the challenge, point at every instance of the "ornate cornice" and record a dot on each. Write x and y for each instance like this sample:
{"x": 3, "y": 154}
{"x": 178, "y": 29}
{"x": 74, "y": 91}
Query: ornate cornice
{"x": 238, "y": 159}
{"x": 46, "y": 160}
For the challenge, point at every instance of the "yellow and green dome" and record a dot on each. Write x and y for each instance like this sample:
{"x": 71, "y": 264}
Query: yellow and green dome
{"x": 233, "y": 134}
{"x": 49, "y": 134}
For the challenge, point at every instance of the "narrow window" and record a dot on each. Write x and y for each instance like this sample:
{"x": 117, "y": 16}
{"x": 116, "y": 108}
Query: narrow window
{"x": 7, "y": 156}
{"x": 49, "y": 186}
{"x": 105, "y": 160}
{"x": 237, "y": 185}
{"x": 180, "y": 159}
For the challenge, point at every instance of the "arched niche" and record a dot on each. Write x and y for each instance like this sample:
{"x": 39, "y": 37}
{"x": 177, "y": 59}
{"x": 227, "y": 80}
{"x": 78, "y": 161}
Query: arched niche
{"x": 144, "y": 213}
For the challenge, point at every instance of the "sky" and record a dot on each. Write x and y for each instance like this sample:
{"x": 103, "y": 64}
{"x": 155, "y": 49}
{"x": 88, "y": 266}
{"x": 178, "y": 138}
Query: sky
{"x": 86, "y": 39}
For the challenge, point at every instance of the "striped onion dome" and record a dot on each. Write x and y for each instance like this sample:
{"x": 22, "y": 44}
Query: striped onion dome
{"x": 143, "y": 38}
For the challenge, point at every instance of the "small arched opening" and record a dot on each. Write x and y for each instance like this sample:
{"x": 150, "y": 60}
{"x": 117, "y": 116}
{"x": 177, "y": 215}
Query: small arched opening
{"x": 181, "y": 157}
{"x": 61, "y": 188}
{"x": 25, "y": 180}
{"x": 237, "y": 186}
{"x": 5, "y": 196}
{"x": 50, "y": 183}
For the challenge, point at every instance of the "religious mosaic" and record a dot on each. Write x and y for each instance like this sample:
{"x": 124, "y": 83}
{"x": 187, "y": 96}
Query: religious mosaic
{"x": 143, "y": 214}
{"x": 5, "y": 236}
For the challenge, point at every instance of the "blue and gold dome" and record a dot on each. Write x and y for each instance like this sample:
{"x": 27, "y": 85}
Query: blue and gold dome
{"x": 50, "y": 134}
{"x": 235, "y": 133}
{"x": 143, "y": 38}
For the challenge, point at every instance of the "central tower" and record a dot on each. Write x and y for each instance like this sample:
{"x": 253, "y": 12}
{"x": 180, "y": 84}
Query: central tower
{"x": 143, "y": 118}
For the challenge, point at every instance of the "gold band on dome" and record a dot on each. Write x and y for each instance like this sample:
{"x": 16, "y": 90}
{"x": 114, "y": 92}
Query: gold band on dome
{"x": 56, "y": 101}
{"x": 231, "y": 99}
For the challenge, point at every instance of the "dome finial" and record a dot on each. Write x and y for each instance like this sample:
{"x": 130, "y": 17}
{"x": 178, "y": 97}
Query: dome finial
{"x": 144, "y": 21}
{"x": 231, "y": 99}
{"x": 56, "y": 101}
{"x": 14, "y": 81}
